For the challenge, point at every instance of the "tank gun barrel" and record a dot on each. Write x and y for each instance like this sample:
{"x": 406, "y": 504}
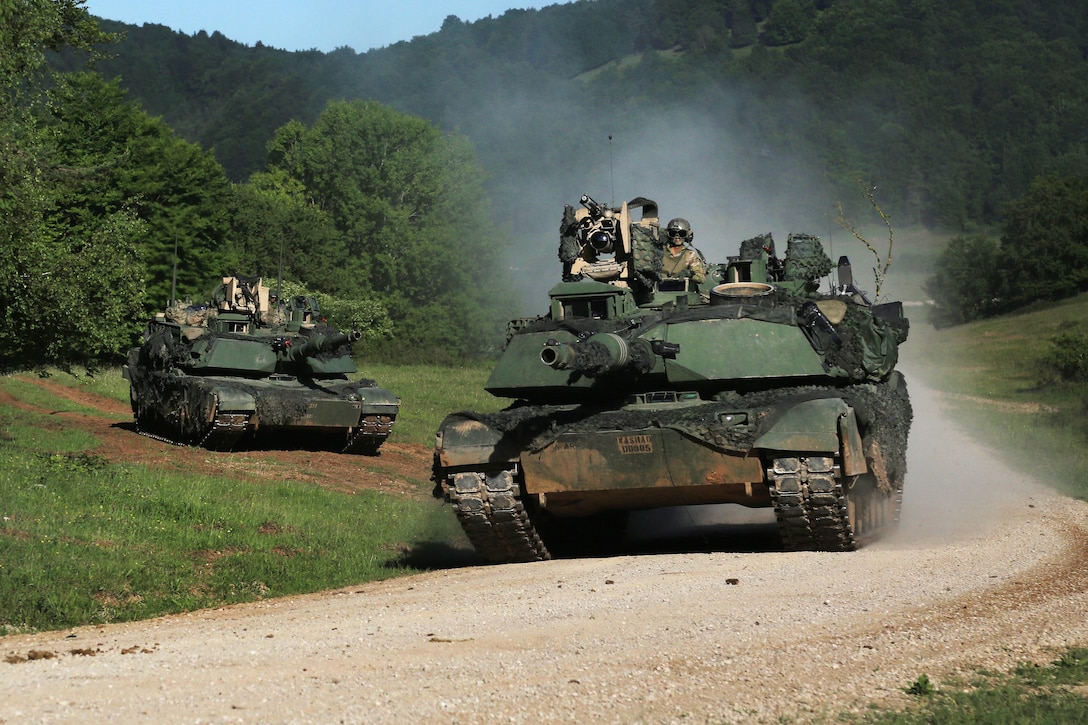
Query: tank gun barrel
{"x": 603, "y": 353}
{"x": 319, "y": 344}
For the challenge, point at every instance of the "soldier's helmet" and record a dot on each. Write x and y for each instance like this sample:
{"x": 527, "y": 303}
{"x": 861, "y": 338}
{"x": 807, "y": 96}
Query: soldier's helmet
{"x": 678, "y": 231}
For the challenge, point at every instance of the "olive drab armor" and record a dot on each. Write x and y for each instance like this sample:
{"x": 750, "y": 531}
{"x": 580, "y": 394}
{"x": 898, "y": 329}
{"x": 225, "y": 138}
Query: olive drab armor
{"x": 635, "y": 390}
{"x": 243, "y": 369}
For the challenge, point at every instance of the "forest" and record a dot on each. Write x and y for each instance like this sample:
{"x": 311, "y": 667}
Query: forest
{"x": 422, "y": 183}
{"x": 953, "y": 107}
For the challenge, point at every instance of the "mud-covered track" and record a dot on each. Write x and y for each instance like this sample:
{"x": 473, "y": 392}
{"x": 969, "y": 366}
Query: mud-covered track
{"x": 489, "y": 508}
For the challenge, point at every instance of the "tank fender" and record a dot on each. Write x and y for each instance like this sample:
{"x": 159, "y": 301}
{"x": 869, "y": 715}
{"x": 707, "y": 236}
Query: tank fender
{"x": 810, "y": 425}
{"x": 462, "y": 440}
{"x": 853, "y": 452}
{"x": 378, "y": 400}
{"x": 234, "y": 399}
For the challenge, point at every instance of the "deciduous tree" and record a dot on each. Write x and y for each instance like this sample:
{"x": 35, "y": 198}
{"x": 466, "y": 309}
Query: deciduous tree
{"x": 409, "y": 204}
{"x": 67, "y": 293}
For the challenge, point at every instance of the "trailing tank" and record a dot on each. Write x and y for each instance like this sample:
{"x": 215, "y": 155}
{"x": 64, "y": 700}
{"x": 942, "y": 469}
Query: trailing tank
{"x": 243, "y": 370}
{"x": 639, "y": 390}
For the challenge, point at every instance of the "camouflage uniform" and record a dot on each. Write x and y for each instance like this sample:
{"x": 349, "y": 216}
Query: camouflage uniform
{"x": 685, "y": 264}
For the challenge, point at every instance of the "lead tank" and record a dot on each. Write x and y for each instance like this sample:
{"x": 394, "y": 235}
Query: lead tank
{"x": 637, "y": 390}
{"x": 242, "y": 370}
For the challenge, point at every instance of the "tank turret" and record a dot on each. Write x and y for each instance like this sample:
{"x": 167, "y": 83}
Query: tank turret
{"x": 240, "y": 370}
{"x": 638, "y": 389}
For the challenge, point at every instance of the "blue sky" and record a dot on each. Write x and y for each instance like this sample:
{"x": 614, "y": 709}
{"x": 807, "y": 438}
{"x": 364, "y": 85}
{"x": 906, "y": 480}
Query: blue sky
{"x": 306, "y": 24}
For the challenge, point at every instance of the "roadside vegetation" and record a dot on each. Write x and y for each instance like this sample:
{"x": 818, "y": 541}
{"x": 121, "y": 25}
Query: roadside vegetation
{"x": 1017, "y": 382}
{"x": 87, "y": 541}
{"x": 1042, "y": 695}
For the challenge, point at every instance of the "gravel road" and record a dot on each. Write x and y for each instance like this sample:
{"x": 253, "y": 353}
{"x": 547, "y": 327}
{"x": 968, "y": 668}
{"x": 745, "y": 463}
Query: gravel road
{"x": 987, "y": 570}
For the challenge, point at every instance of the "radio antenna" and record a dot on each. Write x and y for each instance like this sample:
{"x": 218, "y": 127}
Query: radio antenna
{"x": 279, "y": 281}
{"x": 174, "y": 274}
{"x": 611, "y": 171}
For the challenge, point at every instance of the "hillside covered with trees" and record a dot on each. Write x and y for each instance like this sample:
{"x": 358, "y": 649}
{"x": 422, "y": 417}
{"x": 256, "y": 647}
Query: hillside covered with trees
{"x": 108, "y": 213}
{"x": 952, "y": 108}
{"x": 417, "y": 185}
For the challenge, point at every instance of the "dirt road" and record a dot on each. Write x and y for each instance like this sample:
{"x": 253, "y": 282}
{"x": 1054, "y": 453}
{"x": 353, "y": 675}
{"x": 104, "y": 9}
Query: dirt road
{"x": 988, "y": 569}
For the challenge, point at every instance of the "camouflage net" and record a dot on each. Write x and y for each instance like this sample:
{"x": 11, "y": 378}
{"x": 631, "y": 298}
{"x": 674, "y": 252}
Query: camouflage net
{"x": 162, "y": 351}
{"x": 569, "y": 247}
{"x": 648, "y": 253}
{"x": 805, "y": 260}
{"x": 282, "y": 405}
{"x": 869, "y": 345}
{"x": 189, "y": 314}
{"x": 594, "y": 359}
{"x": 752, "y": 248}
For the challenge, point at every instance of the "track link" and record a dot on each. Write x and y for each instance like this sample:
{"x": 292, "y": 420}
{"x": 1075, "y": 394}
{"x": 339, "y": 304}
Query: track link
{"x": 817, "y": 510}
{"x": 810, "y": 505}
{"x": 222, "y": 433}
{"x": 369, "y": 435}
{"x": 490, "y": 510}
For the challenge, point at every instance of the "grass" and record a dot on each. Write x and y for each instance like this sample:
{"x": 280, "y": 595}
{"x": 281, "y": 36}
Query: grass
{"x": 1050, "y": 695}
{"x": 429, "y": 393}
{"x": 995, "y": 384}
{"x": 86, "y": 541}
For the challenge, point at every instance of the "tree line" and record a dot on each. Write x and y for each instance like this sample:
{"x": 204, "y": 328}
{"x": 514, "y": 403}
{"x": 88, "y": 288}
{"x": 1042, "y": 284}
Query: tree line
{"x": 1040, "y": 255}
{"x": 951, "y": 107}
{"x": 107, "y": 213}
{"x": 370, "y": 177}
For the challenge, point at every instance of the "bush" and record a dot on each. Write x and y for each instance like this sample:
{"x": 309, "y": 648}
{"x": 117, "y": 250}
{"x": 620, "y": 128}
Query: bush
{"x": 965, "y": 285}
{"x": 1067, "y": 358}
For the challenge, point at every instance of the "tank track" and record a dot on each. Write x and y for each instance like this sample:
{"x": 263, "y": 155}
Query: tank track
{"x": 224, "y": 432}
{"x": 369, "y": 435}
{"x": 819, "y": 511}
{"x": 490, "y": 510}
{"x": 809, "y": 505}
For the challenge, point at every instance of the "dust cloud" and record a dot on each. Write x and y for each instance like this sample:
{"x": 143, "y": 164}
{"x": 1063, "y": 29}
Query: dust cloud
{"x": 699, "y": 160}
{"x": 955, "y": 486}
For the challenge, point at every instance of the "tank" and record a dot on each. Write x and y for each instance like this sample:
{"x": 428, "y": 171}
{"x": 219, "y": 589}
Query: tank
{"x": 243, "y": 370}
{"x": 639, "y": 390}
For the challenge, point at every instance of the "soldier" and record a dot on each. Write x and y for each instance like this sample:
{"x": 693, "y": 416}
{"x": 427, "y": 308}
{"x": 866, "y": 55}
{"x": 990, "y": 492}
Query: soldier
{"x": 682, "y": 260}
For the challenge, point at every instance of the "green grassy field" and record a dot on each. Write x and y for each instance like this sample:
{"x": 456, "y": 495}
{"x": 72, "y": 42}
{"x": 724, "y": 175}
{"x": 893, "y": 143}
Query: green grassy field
{"x": 429, "y": 393}
{"x": 84, "y": 541}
